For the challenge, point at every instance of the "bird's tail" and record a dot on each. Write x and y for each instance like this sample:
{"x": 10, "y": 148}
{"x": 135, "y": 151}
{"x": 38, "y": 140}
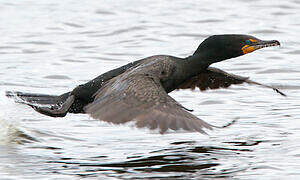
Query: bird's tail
{"x": 38, "y": 99}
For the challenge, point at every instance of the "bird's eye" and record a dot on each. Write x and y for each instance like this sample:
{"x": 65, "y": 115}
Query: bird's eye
{"x": 248, "y": 41}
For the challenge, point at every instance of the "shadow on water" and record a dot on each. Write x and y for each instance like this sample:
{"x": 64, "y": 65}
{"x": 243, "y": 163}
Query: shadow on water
{"x": 184, "y": 160}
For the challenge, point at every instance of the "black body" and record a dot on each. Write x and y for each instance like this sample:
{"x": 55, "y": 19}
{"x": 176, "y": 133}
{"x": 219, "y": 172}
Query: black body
{"x": 138, "y": 90}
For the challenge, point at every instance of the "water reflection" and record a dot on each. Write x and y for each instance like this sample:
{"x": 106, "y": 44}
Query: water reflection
{"x": 186, "y": 161}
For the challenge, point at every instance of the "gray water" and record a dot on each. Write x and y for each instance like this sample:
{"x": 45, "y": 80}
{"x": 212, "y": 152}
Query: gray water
{"x": 53, "y": 46}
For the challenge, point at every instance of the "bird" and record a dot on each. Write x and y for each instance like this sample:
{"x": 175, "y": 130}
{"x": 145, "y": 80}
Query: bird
{"x": 138, "y": 91}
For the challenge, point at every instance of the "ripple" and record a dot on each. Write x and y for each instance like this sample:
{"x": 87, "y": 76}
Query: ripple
{"x": 31, "y": 51}
{"x": 286, "y": 7}
{"x": 153, "y": 39}
{"x": 20, "y": 85}
{"x": 266, "y": 31}
{"x": 103, "y": 12}
{"x": 271, "y": 71}
{"x": 104, "y": 58}
{"x": 84, "y": 47}
{"x": 119, "y": 31}
{"x": 35, "y": 42}
{"x": 197, "y": 35}
{"x": 122, "y": 54}
{"x": 245, "y": 143}
{"x": 293, "y": 52}
{"x": 290, "y": 87}
{"x": 56, "y": 77}
{"x": 88, "y": 32}
{"x": 281, "y": 13}
{"x": 173, "y": 160}
{"x": 73, "y": 25}
{"x": 212, "y": 149}
{"x": 211, "y": 102}
{"x": 208, "y": 21}
{"x": 74, "y": 61}
{"x": 55, "y": 28}
{"x": 183, "y": 142}
{"x": 267, "y": 167}
{"x": 244, "y": 68}
{"x": 9, "y": 47}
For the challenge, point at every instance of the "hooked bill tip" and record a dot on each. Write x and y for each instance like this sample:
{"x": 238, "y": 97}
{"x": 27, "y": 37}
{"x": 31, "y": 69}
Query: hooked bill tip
{"x": 277, "y": 42}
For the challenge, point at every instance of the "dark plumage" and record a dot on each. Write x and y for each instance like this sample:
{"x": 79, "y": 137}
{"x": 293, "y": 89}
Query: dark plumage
{"x": 139, "y": 91}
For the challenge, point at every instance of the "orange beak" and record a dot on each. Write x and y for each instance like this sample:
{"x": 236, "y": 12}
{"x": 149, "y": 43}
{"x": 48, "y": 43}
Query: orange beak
{"x": 258, "y": 44}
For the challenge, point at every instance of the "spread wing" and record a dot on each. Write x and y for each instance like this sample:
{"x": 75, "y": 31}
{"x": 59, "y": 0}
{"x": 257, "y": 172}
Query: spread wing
{"x": 142, "y": 99}
{"x": 214, "y": 78}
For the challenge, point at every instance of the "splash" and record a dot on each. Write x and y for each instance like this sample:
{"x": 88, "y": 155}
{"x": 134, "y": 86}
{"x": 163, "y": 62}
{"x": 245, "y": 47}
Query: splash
{"x": 11, "y": 132}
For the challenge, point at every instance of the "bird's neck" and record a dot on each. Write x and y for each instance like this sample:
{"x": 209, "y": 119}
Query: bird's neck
{"x": 196, "y": 63}
{"x": 187, "y": 68}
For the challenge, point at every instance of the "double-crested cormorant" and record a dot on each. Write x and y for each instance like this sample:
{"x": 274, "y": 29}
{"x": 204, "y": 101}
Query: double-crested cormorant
{"x": 139, "y": 90}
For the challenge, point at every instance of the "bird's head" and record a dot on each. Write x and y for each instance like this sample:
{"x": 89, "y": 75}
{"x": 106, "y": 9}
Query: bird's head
{"x": 220, "y": 47}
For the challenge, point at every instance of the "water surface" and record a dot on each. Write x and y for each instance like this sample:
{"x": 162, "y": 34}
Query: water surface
{"x": 52, "y": 46}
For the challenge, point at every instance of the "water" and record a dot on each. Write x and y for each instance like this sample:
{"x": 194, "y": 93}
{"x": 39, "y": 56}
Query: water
{"x": 52, "y": 46}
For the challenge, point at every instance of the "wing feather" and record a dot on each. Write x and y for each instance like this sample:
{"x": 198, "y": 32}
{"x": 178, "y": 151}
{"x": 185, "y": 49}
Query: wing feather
{"x": 214, "y": 78}
{"x": 143, "y": 100}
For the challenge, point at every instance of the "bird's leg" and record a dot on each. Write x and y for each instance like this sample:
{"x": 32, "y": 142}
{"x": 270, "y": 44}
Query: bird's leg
{"x": 55, "y": 111}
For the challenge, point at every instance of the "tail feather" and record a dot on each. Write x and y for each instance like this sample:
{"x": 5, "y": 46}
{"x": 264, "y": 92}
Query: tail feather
{"x": 32, "y": 98}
